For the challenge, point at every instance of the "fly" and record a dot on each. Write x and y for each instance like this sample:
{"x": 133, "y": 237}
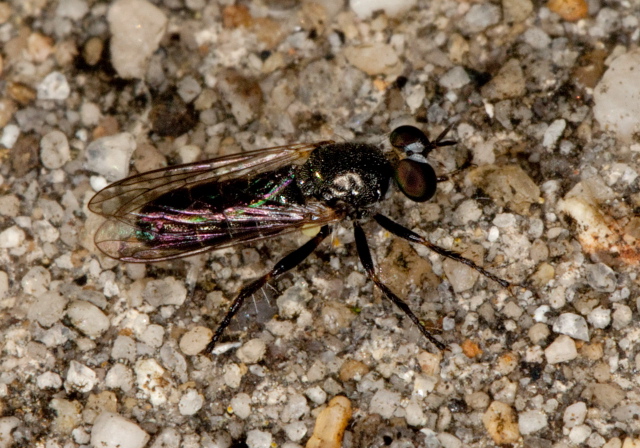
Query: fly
{"x": 189, "y": 209}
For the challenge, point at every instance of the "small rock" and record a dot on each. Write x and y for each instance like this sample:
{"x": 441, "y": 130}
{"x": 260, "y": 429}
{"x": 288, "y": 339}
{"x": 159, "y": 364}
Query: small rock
{"x": 480, "y": 17}
{"x": 516, "y": 10}
{"x": 392, "y": 8}
{"x": 455, "y": 78}
{"x": 190, "y": 402}
{"x": 374, "y": 59}
{"x": 11, "y": 237}
{"x": 136, "y": 21}
{"x": 500, "y": 421}
{"x": 119, "y": 376}
{"x": 572, "y": 325}
{"x": 331, "y": 424}
{"x": 530, "y": 422}
{"x": 54, "y": 87}
{"x": 575, "y": 414}
{"x": 7, "y": 425}
{"x": 151, "y": 380}
{"x": 353, "y": 370}
{"x": 622, "y": 316}
{"x": 241, "y": 405}
{"x": 244, "y": 95}
{"x": 563, "y": 349}
{"x": 617, "y": 97}
{"x": 601, "y": 277}
{"x": 599, "y": 317}
{"x": 48, "y": 308}
{"x": 553, "y": 133}
{"x": 88, "y": 318}
{"x": 258, "y": 439}
{"x": 508, "y": 186}
{"x": 110, "y": 156}
{"x": 80, "y": 378}
{"x": 163, "y": 292}
{"x": 509, "y": 82}
{"x": 112, "y": 431}
{"x": 384, "y": 402}
{"x": 49, "y": 380}
{"x": 54, "y": 150}
{"x": 195, "y": 340}
{"x": 570, "y": 10}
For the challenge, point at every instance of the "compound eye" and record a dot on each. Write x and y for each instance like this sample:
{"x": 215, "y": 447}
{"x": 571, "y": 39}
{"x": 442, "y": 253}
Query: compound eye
{"x": 409, "y": 139}
{"x": 416, "y": 180}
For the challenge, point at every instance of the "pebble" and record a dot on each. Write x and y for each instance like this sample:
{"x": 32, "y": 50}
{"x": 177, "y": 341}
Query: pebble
{"x": 601, "y": 277}
{"x": 258, "y": 439}
{"x": 455, "y": 78}
{"x": 563, "y": 349}
{"x": 150, "y": 378}
{"x": 600, "y": 317}
{"x": 374, "y": 59}
{"x": 36, "y": 281}
{"x": 12, "y": 237}
{"x": 110, "y": 156}
{"x": 243, "y": 94}
{"x": 353, "y": 370}
{"x": 316, "y": 394}
{"x": 112, "y": 431}
{"x": 166, "y": 291}
{"x": 572, "y": 325}
{"x": 392, "y": 8}
{"x": 47, "y": 308}
{"x": 480, "y": 17}
{"x": 507, "y": 185}
{"x": 67, "y": 415}
{"x": 88, "y": 318}
{"x": 617, "y": 96}
{"x": 124, "y": 347}
{"x": 152, "y": 335}
{"x": 516, "y": 10}
{"x": 7, "y": 425}
{"x": 54, "y": 87}
{"x": 575, "y": 414}
{"x": 119, "y": 376}
{"x": 622, "y": 316}
{"x": 49, "y": 380}
{"x": 295, "y": 431}
{"x": 195, "y": 340}
{"x": 414, "y": 415}
{"x": 579, "y": 434}
{"x": 10, "y": 134}
{"x": 384, "y": 402}
{"x": 331, "y": 424}
{"x": 136, "y": 21}
{"x": 553, "y": 133}
{"x": 9, "y": 205}
{"x": 4, "y": 285}
{"x": 530, "y": 422}
{"x": 72, "y": 9}
{"x": 509, "y": 82}
{"x": 190, "y": 402}
{"x": 241, "y": 405}
{"x": 500, "y": 421}
{"x": 446, "y": 440}
{"x": 295, "y": 409}
{"x": 80, "y": 378}
{"x": 233, "y": 374}
{"x": 570, "y": 10}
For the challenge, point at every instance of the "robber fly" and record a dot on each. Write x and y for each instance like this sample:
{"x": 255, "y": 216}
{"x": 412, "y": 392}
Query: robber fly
{"x": 189, "y": 209}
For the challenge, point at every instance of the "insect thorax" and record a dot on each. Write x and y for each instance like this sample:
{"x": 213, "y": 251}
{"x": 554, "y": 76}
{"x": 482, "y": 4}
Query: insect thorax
{"x": 339, "y": 174}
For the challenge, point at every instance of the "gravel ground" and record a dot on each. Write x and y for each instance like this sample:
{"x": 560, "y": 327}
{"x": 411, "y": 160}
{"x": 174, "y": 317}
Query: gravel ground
{"x": 544, "y": 99}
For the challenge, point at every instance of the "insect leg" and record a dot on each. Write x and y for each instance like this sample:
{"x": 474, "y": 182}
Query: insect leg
{"x": 367, "y": 263}
{"x": 413, "y": 237}
{"x": 466, "y": 165}
{"x": 288, "y": 262}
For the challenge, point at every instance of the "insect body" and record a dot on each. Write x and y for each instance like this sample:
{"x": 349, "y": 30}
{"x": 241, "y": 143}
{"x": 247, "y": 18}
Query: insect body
{"x": 188, "y": 209}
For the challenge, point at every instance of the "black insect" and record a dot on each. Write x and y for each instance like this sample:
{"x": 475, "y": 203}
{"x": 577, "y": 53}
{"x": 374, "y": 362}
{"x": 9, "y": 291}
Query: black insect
{"x": 188, "y": 209}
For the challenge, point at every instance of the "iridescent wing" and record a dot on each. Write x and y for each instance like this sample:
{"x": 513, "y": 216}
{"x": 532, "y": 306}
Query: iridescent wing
{"x": 188, "y": 209}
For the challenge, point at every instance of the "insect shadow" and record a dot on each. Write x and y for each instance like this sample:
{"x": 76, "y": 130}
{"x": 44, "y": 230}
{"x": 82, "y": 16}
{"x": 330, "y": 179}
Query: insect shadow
{"x": 188, "y": 209}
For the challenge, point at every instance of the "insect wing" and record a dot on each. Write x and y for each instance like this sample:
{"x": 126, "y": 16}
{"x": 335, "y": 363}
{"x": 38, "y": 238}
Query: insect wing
{"x": 194, "y": 208}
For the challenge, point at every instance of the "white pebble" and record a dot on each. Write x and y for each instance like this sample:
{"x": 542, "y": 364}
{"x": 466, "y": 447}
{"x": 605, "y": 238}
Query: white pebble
{"x": 530, "y": 422}
{"x": 88, "y": 318}
{"x": 575, "y": 414}
{"x": 124, "y": 347}
{"x": 150, "y": 379}
{"x": 110, "y": 156}
{"x": 112, "y": 431}
{"x": 119, "y": 377}
{"x": 384, "y": 402}
{"x": 48, "y": 308}
{"x": 258, "y": 439}
{"x": 365, "y": 8}
{"x": 190, "y": 402}
{"x": 45, "y": 232}
{"x": 54, "y": 87}
{"x": 241, "y": 405}
{"x": 252, "y": 352}
{"x": 233, "y": 375}
{"x": 448, "y": 440}
{"x": 166, "y": 291}
{"x": 572, "y": 325}
{"x": 11, "y": 237}
{"x": 72, "y": 9}
{"x": 7, "y": 425}
{"x": 80, "y": 378}
{"x": 553, "y": 133}
{"x": 622, "y": 316}
{"x": 54, "y": 150}
{"x": 49, "y": 380}
{"x": 563, "y": 349}
{"x": 295, "y": 431}
{"x": 579, "y": 434}
{"x": 414, "y": 415}
{"x": 136, "y": 21}
{"x": 152, "y": 335}
{"x": 455, "y": 78}
{"x": 480, "y": 17}
{"x": 599, "y": 317}
{"x": 195, "y": 340}
{"x": 10, "y": 135}
{"x": 617, "y": 96}
{"x": 316, "y": 394}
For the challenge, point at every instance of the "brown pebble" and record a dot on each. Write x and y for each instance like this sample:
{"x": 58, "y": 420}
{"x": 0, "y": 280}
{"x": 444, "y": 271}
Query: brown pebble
{"x": 471, "y": 349}
{"x": 352, "y": 369}
{"x": 20, "y": 92}
{"x": 330, "y": 424}
{"x": 570, "y": 10}
{"x": 235, "y": 16}
{"x": 92, "y": 51}
{"x": 500, "y": 421}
